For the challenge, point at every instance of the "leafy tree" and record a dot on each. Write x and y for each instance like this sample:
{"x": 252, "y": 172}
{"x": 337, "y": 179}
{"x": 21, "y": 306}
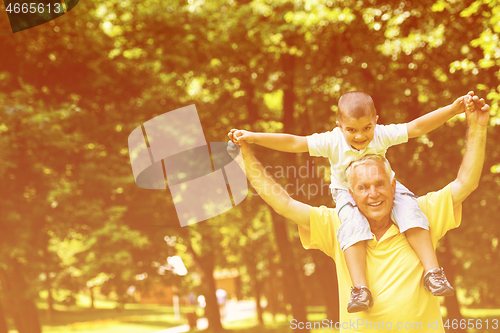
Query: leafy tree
{"x": 73, "y": 89}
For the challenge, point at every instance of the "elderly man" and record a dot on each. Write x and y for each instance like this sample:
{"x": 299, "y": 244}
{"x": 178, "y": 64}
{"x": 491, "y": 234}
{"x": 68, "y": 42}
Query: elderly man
{"x": 401, "y": 303}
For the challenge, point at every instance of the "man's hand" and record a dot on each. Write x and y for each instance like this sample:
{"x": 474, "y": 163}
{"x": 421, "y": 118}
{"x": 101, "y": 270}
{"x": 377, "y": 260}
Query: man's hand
{"x": 268, "y": 189}
{"x": 477, "y": 111}
{"x": 234, "y": 151}
{"x": 238, "y": 153}
{"x": 237, "y": 136}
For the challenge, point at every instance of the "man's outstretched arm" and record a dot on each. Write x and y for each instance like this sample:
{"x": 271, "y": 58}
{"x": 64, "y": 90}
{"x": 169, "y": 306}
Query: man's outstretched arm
{"x": 477, "y": 114}
{"x": 272, "y": 193}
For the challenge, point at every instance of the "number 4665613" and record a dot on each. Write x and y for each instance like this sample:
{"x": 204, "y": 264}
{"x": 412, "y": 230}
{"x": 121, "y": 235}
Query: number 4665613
{"x": 33, "y": 8}
{"x": 471, "y": 323}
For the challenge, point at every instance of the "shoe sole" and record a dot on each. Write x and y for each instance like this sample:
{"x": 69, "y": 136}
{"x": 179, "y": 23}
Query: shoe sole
{"x": 445, "y": 293}
{"x": 357, "y": 309}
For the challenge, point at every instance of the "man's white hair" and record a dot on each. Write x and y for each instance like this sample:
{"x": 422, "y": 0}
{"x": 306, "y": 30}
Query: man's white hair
{"x": 367, "y": 159}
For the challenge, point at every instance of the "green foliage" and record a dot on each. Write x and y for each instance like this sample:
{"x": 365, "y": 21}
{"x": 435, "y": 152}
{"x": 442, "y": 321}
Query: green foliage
{"x": 70, "y": 96}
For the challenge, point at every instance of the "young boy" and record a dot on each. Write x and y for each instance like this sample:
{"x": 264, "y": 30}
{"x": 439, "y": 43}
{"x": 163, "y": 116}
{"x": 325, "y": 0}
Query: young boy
{"x": 357, "y": 134}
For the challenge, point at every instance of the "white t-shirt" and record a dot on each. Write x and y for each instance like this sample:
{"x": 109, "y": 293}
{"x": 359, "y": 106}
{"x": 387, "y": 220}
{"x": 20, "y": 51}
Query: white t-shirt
{"x": 334, "y": 146}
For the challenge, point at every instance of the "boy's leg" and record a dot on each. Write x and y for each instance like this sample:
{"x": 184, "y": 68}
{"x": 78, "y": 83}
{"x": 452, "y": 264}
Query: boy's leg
{"x": 355, "y": 258}
{"x": 420, "y": 241}
{"x": 412, "y": 221}
{"x": 351, "y": 235}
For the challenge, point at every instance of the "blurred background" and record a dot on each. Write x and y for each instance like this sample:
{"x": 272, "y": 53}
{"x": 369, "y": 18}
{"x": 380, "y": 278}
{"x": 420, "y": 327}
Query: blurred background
{"x": 84, "y": 249}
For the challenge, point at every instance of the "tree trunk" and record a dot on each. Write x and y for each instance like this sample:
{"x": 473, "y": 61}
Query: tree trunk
{"x": 451, "y": 302}
{"x": 252, "y": 271}
{"x": 238, "y": 287}
{"x": 273, "y": 290}
{"x": 50, "y": 299}
{"x": 326, "y": 274}
{"x": 31, "y": 316}
{"x": 212, "y": 308}
{"x": 293, "y": 290}
{"x": 23, "y": 309}
{"x": 253, "y": 114}
{"x": 3, "y": 321}
{"x": 288, "y": 94}
{"x": 206, "y": 263}
{"x": 258, "y": 292}
{"x": 91, "y": 290}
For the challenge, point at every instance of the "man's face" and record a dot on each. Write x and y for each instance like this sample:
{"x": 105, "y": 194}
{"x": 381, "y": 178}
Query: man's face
{"x": 373, "y": 191}
{"x": 358, "y": 132}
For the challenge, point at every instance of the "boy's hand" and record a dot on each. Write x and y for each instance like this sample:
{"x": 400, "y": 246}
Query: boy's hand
{"x": 458, "y": 106}
{"x": 236, "y": 136}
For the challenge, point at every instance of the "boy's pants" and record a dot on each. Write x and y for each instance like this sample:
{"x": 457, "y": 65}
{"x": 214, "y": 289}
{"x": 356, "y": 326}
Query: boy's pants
{"x": 406, "y": 214}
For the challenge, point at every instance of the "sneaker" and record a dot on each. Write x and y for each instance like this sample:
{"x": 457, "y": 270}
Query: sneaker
{"x": 435, "y": 281}
{"x": 361, "y": 299}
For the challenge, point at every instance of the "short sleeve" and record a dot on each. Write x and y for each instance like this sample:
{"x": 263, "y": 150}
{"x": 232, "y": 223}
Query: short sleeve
{"x": 322, "y": 230}
{"x": 439, "y": 209}
{"x": 390, "y": 135}
{"x": 322, "y": 144}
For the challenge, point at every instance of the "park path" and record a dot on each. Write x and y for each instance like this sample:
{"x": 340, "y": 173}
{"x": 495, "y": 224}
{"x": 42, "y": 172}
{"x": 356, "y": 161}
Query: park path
{"x": 235, "y": 310}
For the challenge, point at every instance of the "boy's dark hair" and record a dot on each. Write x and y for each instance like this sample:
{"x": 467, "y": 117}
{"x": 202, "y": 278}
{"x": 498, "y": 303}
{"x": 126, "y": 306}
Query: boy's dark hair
{"x": 356, "y": 104}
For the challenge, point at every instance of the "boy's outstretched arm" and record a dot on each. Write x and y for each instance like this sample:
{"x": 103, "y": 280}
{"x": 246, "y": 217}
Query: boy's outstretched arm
{"x": 432, "y": 120}
{"x": 277, "y": 141}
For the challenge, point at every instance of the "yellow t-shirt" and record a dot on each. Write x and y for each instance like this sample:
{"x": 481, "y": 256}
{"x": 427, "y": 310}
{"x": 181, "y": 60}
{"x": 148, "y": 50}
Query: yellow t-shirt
{"x": 395, "y": 274}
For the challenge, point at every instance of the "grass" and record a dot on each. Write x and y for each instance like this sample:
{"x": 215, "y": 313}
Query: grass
{"x": 138, "y": 320}
{"x": 278, "y": 324}
{"x": 145, "y": 318}
{"x": 107, "y": 318}
{"x": 317, "y": 314}
{"x": 488, "y": 319}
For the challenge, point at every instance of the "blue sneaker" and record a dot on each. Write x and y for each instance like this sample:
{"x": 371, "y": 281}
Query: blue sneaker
{"x": 435, "y": 281}
{"x": 361, "y": 299}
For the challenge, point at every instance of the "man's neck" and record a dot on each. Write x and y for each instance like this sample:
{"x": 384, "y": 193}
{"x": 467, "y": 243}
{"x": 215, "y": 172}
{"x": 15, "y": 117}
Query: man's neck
{"x": 379, "y": 228}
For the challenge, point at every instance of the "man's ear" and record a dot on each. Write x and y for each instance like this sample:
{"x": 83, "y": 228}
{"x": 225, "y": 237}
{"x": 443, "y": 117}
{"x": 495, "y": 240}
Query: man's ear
{"x": 394, "y": 186}
{"x": 339, "y": 125}
{"x": 376, "y": 119}
{"x": 350, "y": 192}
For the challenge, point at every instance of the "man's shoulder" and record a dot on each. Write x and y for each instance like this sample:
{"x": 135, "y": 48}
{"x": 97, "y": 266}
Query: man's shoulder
{"x": 323, "y": 213}
{"x": 323, "y": 226}
{"x": 441, "y": 196}
{"x": 322, "y": 210}
{"x": 441, "y": 212}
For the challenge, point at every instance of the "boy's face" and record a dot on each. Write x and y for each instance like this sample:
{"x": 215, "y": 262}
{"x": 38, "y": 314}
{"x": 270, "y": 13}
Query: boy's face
{"x": 358, "y": 132}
